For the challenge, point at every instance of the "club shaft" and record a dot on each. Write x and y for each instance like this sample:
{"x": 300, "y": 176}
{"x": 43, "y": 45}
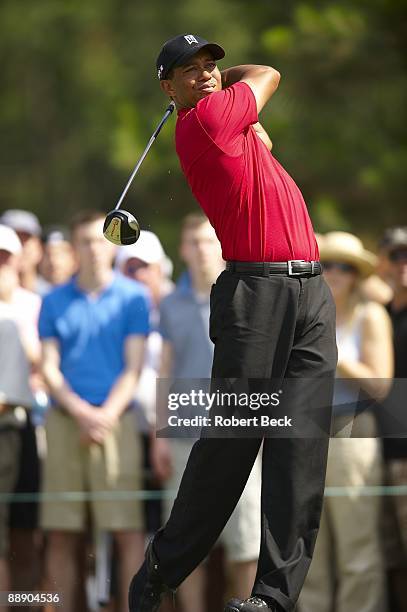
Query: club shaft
{"x": 133, "y": 174}
{"x": 146, "y": 150}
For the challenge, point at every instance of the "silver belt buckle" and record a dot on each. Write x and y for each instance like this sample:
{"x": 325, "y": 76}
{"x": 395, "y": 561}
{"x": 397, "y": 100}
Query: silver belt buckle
{"x": 290, "y": 267}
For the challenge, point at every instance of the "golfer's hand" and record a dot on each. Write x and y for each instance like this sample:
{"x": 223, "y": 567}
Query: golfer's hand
{"x": 161, "y": 458}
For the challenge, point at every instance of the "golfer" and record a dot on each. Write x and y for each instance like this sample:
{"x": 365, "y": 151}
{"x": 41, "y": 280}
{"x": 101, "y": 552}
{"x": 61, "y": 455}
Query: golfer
{"x": 272, "y": 318}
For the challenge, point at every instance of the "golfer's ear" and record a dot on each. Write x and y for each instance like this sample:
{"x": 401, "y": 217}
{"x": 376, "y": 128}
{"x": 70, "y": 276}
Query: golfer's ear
{"x": 166, "y": 86}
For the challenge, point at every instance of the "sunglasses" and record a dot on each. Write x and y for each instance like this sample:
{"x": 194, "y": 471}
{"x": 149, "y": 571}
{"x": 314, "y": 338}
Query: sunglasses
{"x": 398, "y": 256}
{"x": 338, "y": 265}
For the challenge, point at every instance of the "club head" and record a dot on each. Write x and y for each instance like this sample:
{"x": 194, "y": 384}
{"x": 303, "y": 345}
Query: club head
{"x": 121, "y": 227}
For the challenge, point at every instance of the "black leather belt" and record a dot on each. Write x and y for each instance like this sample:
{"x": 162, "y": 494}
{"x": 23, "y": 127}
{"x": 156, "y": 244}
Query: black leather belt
{"x": 294, "y": 267}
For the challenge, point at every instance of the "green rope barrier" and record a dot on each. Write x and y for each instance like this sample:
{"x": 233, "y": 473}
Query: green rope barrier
{"x": 142, "y": 495}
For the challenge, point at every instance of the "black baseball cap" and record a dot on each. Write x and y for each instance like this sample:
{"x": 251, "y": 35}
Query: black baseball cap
{"x": 176, "y": 51}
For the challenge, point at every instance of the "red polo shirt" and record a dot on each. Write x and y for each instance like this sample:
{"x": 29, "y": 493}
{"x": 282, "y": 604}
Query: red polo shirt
{"x": 256, "y": 208}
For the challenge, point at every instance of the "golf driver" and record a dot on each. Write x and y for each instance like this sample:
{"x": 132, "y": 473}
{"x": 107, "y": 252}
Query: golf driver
{"x": 120, "y": 226}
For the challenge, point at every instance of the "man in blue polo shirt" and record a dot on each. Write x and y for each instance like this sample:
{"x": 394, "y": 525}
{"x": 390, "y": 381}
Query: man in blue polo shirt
{"x": 93, "y": 332}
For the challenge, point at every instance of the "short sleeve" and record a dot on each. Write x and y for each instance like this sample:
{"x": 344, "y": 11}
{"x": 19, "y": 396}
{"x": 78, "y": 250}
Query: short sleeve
{"x": 138, "y": 315}
{"x": 46, "y": 320}
{"x": 164, "y": 326}
{"x": 228, "y": 113}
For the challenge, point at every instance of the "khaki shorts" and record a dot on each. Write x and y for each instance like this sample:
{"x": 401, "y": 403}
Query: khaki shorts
{"x": 9, "y": 463}
{"x": 241, "y": 535}
{"x": 110, "y": 469}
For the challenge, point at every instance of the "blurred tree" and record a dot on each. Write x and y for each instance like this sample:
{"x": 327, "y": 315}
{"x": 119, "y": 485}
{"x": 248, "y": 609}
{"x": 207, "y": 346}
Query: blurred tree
{"x": 338, "y": 119}
{"x": 80, "y": 99}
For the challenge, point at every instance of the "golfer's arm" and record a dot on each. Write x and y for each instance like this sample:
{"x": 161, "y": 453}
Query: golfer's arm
{"x": 59, "y": 388}
{"x": 123, "y": 391}
{"x": 263, "y": 81}
{"x": 262, "y": 134}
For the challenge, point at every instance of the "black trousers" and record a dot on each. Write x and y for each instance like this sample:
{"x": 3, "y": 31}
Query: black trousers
{"x": 263, "y": 328}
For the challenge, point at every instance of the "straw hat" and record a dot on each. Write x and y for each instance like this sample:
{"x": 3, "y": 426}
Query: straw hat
{"x": 347, "y": 248}
{"x": 319, "y": 238}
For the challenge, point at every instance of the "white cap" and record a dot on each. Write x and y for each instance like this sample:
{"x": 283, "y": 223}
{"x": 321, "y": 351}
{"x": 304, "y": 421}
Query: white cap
{"x": 9, "y": 241}
{"x": 21, "y": 221}
{"x": 148, "y": 248}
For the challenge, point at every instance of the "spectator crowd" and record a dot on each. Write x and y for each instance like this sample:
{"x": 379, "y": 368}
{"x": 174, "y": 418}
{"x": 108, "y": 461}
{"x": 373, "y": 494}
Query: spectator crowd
{"x": 87, "y": 328}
